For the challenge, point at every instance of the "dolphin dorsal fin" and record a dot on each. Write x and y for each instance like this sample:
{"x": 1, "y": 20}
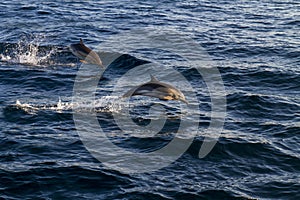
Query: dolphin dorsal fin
{"x": 81, "y": 41}
{"x": 153, "y": 79}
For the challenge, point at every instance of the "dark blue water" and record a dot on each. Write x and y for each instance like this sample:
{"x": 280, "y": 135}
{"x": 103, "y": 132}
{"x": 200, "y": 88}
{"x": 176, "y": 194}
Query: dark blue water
{"x": 254, "y": 44}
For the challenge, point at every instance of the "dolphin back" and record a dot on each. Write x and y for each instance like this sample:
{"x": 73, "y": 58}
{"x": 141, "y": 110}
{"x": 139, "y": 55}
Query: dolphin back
{"x": 155, "y": 88}
{"x": 85, "y": 54}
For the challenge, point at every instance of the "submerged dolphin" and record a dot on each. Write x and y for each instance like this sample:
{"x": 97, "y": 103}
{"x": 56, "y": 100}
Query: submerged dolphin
{"x": 155, "y": 88}
{"x": 85, "y": 54}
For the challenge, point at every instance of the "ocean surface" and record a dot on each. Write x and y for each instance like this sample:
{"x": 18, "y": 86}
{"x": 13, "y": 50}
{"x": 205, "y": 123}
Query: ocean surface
{"x": 253, "y": 44}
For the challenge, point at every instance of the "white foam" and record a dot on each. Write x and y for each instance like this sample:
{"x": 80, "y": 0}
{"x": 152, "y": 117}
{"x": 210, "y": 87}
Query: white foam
{"x": 104, "y": 104}
{"x": 5, "y": 58}
{"x": 28, "y": 52}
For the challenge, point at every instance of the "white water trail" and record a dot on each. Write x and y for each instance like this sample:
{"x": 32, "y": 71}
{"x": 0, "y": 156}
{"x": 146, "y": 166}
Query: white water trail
{"x": 104, "y": 104}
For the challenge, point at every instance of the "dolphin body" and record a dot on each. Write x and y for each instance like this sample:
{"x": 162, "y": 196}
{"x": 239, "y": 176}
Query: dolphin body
{"x": 85, "y": 54}
{"x": 155, "y": 88}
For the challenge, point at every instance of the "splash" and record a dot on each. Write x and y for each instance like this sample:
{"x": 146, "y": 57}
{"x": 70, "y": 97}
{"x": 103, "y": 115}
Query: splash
{"x": 138, "y": 108}
{"x": 104, "y": 104}
{"x": 29, "y": 51}
{"x": 32, "y": 108}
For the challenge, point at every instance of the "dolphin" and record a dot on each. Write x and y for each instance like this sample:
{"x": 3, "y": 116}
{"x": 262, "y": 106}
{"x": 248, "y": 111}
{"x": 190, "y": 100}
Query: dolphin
{"x": 85, "y": 54}
{"x": 155, "y": 88}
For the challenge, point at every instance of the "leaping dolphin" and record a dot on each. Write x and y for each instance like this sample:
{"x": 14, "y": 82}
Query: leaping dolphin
{"x": 155, "y": 88}
{"x": 85, "y": 54}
